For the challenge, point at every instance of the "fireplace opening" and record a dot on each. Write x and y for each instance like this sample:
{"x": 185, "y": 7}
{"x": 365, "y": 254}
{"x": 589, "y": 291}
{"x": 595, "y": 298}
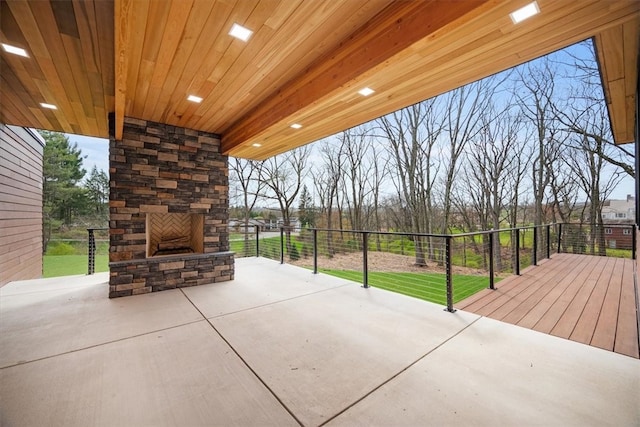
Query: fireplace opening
{"x": 174, "y": 233}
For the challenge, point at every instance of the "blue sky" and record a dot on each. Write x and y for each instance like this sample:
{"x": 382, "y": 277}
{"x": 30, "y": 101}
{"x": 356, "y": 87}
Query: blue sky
{"x": 96, "y": 151}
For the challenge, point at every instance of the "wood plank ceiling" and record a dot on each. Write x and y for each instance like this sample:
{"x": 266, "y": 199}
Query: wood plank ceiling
{"x": 304, "y": 63}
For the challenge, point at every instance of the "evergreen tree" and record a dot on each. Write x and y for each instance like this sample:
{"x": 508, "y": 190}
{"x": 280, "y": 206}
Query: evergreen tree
{"x": 63, "y": 198}
{"x": 307, "y": 214}
{"x": 97, "y": 186}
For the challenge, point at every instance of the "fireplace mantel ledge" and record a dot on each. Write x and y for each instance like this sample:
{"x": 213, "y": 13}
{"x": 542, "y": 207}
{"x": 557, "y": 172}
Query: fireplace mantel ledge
{"x": 165, "y": 258}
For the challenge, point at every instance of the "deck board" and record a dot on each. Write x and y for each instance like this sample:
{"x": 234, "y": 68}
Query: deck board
{"x": 583, "y": 298}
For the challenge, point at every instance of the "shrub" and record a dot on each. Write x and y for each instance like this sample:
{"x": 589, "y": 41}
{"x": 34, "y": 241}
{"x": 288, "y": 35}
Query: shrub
{"x": 60, "y": 248}
{"x": 294, "y": 255}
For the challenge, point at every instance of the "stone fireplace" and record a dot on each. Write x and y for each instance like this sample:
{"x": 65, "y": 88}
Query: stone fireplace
{"x": 168, "y": 209}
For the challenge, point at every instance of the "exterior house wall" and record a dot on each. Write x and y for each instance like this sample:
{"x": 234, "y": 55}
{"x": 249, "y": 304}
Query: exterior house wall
{"x": 618, "y": 237}
{"x": 619, "y": 210}
{"x": 162, "y": 169}
{"x": 21, "y": 152}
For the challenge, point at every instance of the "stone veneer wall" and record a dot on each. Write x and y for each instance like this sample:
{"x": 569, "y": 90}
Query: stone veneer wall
{"x": 166, "y": 169}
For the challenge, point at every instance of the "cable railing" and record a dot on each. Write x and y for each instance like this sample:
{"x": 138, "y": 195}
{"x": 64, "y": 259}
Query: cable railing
{"x": 91, "y": 252}
{"x": 442, "y": 268}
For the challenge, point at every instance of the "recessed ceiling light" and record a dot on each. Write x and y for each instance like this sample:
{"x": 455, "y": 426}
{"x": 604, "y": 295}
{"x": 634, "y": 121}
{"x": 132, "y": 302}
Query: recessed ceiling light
{"x": 366, "y": 91}
{"x": 256, "y": 144}
{"x": 49, "y": 106}
{"x": 15, "y": 50}
{"x": 194, "y": 98}
{"x": 525, "y": 12}
{"x": 296, "y": 125}
{"x": 240, "y": 32}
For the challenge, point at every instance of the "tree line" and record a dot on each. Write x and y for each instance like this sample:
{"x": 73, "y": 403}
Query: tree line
{"x": 531, "y": 145}
{"x": 70, "y": 196}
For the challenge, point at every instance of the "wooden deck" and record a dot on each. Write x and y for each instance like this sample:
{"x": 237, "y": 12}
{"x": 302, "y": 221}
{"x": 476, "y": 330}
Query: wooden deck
{"x": 582, "y": 298}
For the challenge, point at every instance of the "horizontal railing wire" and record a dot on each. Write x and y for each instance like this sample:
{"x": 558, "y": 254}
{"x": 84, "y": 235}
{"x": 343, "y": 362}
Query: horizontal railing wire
{"x": 440, "y": 268}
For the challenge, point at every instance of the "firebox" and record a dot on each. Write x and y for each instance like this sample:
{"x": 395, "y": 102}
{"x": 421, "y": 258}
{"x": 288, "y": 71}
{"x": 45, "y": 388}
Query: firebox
{"x": 174, "y": 233}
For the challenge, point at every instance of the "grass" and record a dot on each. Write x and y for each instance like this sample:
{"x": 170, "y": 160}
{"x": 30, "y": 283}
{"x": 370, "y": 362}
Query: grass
{"x": 429, "y": 287}
{"x": 69, "y": 265}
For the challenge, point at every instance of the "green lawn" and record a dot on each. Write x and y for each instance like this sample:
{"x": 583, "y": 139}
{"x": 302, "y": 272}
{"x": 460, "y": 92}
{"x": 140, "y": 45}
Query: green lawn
{"x": 69, "y": 265}
{"x": 429, "y": 287}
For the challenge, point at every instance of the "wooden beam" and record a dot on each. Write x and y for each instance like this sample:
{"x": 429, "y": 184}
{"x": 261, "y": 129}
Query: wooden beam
{"x": 393, "y": 30}
{"x": 122, "y": 20}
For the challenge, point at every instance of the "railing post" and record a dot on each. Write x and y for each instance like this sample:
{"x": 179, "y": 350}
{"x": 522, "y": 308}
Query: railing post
{"x": 559, "y": 237}
{"x": 491, "y": 255}
{"x": 448, "y": 263}
{"x": 257, "y": 240}
{"x": 548, "y": 241}
{"x": 315, "y": 251}
{"x": 534, "y": 255}
{"x": 92, "y": 252}
{"x": 365, "y": 263}
{"x": 516, "y": 265}
{"x": 281, "y": 245}
{"x": 633, "y": 242}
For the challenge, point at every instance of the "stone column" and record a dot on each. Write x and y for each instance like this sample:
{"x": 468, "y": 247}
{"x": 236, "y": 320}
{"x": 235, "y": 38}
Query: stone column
{"x": 163, "y": 169}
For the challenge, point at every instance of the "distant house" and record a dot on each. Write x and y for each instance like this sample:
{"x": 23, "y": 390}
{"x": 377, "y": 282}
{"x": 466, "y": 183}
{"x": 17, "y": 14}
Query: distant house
{"x": 239, "y": 225}
{"x": 619, "y": 210}
{"x": 618, "y": 217}
{"x": 294, "y": 222}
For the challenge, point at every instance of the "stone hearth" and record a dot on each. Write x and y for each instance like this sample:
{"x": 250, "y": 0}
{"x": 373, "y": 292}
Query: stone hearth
{"x": 167, "y": 175}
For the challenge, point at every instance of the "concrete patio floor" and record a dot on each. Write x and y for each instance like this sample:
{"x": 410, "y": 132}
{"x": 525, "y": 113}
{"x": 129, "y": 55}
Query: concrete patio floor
{"x": 280, "y": 346}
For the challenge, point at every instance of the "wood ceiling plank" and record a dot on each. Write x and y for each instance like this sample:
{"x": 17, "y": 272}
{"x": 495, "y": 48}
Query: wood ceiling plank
{"x": 613, "y": 51}
{"x": 455, "y": 79}
{"x": 83, "y": 104}
{"x": 170, "y": 39}
{"x": 45, "y": 89}
{"x": 488, "y": 59}
{"x": 86, "y": 22}
{"x": 618, "y": 103}
{"x": 56, "y": 55}
{"x": 275, "y": 45}
{"x": 16, "y": 67}
{"x": 204, "y": 23}
{"x": 235, "y": 65}
{"x": 122, "y": 21}
{"x": 104, "y": 35}
{"x": 631, "y": 41}
{"x": 41, "y": 118}
{"x": 96, "y": 40}
{"x": 28, "y": 27}
{"x": 254, "y": 85}
{"x": 246, "y": 82}
{"x": 156, "y": 27}
{"x": 399, "y": 26}
{"x": 13, "y": 99}
{"x": 217, "y": 60}
{"x": 137, "y": 29}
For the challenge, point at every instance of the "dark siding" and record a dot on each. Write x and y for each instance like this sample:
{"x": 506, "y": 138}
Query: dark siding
{"x": 20, "y": 204}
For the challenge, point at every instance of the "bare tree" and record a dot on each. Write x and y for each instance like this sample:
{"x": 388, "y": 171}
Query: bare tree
{"x": 283, "y": 176}
{"x": 378, "y": 175}
{"x": 466, "y": 107}
{"x": 412, "y": 134}
{"x": 246, "y": 175}
{"x": 326, "y": 181}
{"x": 536, "y": 103}
{"x": 494, "y": 158}
{"x": 356, "y": 143}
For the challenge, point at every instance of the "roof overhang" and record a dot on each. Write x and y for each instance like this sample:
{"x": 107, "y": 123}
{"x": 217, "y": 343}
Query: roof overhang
{"x": 305, "y": 62}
